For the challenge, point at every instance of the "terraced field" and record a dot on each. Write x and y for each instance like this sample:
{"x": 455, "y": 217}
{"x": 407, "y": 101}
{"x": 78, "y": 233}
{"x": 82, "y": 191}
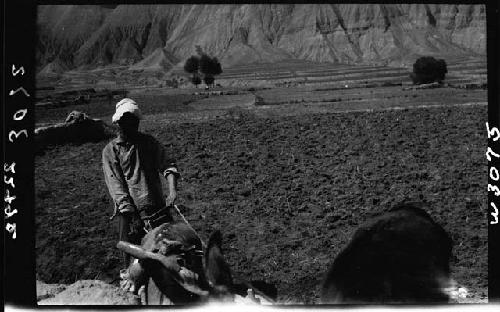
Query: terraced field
{"x": 285, "y": 88}
{"x": 460, "y": 71}
{"x": 287, "y": 73}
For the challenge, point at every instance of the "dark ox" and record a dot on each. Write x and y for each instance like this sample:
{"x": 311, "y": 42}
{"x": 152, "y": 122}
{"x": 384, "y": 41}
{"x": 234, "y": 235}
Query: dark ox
{"x": 400, "y": 257}
{"x": 170, "y": 247}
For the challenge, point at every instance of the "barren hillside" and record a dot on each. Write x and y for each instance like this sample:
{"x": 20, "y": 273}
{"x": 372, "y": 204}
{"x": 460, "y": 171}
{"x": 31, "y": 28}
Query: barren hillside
{"x": 76, "y": 36}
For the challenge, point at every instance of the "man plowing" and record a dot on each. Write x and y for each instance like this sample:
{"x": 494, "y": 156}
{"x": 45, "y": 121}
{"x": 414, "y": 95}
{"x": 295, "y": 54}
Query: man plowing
{"x": 169, "y": 257}
{"x": 132, "y": 164}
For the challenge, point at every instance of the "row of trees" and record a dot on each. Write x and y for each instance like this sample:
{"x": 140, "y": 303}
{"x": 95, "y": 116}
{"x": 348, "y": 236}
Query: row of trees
{"x": 204, "y": 66}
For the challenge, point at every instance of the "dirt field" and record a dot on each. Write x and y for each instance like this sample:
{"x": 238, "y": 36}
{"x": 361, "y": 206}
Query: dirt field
{"x": 288, "y": 181}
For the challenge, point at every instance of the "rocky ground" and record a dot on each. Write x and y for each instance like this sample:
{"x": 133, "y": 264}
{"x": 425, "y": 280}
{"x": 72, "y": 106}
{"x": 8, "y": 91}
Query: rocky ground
{"x": 84, "y": 292}
{"x": 287, "y": 192}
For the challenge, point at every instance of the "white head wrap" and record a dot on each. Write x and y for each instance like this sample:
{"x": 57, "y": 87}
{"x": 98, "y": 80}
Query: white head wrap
{"x": 126, "y": 105}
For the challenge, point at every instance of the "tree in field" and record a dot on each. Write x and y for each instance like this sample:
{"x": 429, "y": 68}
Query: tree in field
{"x": 192, "y": 67}
{"x": 196, "y": 80}
{"x": 204, "y": 64}
{"x": 208, "y": 80}
{"x": 209, "y": 67}
{"x": 428, "y": 69}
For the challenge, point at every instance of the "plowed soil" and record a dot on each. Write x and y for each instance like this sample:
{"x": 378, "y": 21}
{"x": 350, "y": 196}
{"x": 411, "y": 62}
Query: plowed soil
{"x": 286, "y": 191}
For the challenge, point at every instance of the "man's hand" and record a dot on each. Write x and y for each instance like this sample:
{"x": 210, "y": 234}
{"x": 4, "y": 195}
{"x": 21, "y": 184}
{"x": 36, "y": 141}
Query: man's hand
{"x": 133, "y": 278}
{"x": 136, "y": 225}
{"x": 171, "y": 198}
{"x": 127, "y": 283}
{"x": 127, "y": 209}
{"x": 172, "y": 188}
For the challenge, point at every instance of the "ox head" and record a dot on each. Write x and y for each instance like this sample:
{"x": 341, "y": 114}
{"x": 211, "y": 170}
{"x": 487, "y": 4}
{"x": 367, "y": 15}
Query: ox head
{"x": 172, "y": 256}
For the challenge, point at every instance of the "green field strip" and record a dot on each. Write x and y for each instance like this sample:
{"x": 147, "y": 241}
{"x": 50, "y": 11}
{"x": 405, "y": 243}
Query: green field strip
{"x": 338, "y": 77}
{"x": 336, "y": 68}
{"x": 309, "y": 70}
{"x": 399, "y": 104}
{"x": 259, "y": 76}
{"x": 329, "y": 73}
{"x": 468, "y": 73}
{"x": 458, "y": 80}
{"x": 366, "y": 79}
{"x": 342, "y": 95}
{"x": 322, "y": 72}
{"x": 399, "y": 98}
{"x": 461, "y": 71}
{"x": 306, "y": 67}
{"x": 370, "y": 75}
{"x": 360, "y": 106}
{"x": 267, "y": 72}
{"x": 272, "y": 66}
{"x": 466, "y": 62}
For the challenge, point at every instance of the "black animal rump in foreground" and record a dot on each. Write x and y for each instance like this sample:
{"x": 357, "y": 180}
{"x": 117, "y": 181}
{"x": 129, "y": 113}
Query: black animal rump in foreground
{"x": 399, "y": 257}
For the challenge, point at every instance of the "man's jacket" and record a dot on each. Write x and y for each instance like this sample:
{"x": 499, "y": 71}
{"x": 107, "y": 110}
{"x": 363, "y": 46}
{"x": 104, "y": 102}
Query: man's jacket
{"x": 132, "y": 171}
